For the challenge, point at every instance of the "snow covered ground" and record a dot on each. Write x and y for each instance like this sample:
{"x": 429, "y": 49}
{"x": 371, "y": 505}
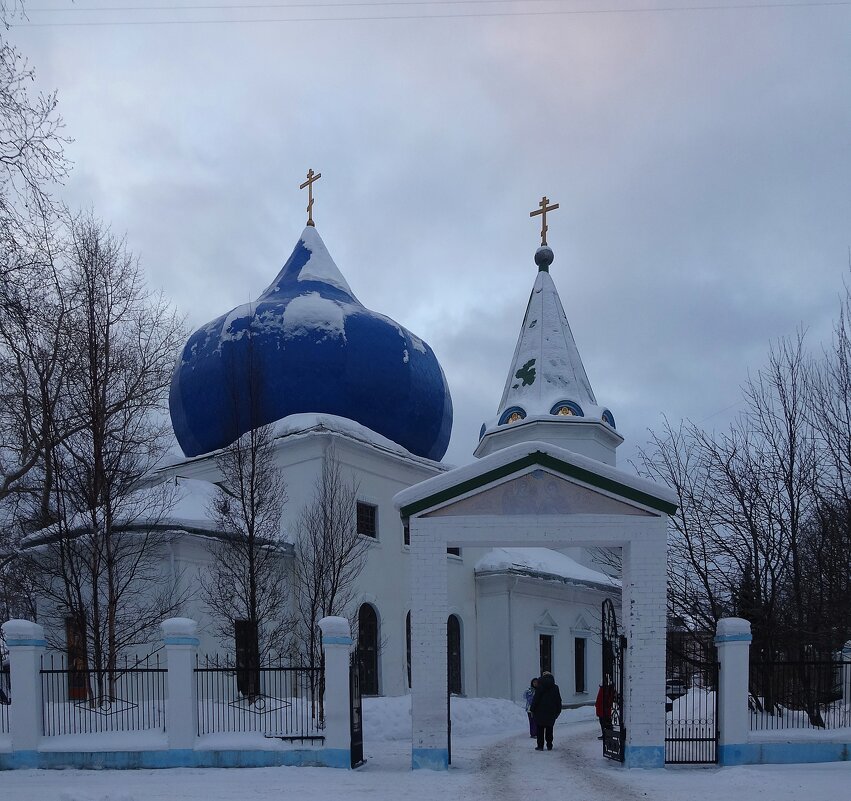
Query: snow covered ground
{"x": 492, "y": 760}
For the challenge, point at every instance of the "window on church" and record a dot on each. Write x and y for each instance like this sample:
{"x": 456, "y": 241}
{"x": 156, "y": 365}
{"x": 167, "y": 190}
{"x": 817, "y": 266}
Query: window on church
{"x": 454, "y": 551}
{"x": 367, "y": 519}
{"x": 453, "y": 654}
{"x": 408, "y": 646}
{"x": 545, "y": 644}
{"x": 579, "y": 664}
{"x": 75, "y": 649}
{"x": 368, "y": 646}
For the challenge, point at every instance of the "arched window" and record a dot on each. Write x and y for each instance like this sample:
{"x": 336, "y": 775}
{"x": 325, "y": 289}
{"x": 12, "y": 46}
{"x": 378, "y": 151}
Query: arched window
{"x": 453, "y": 654}
{"x": 368, "y": 649}
{"x": 408, "y": 646}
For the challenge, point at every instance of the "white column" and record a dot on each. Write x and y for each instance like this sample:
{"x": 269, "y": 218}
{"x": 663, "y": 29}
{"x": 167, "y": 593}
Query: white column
{"x": 644, "y": 617}
{"x": 181, "y": 645}
{"x": 429, "y": 745}
{"x": 337, "y": 646}
{"x": 26, "y": 644}
{"x": 846, "y": 674}
{"x": 733, "y": 641}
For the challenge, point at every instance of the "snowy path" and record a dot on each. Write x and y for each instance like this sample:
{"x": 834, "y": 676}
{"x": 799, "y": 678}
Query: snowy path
{"x": 485, "y": 768}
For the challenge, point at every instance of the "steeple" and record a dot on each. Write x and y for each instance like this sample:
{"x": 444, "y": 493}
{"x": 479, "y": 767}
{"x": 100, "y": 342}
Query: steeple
{"x": 547, "y": 394}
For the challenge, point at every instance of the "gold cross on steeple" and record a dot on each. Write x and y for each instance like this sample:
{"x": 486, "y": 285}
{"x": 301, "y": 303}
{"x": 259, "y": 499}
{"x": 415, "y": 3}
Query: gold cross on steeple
{"x": 311, "y": 178}
{"x": 544, "y": 208}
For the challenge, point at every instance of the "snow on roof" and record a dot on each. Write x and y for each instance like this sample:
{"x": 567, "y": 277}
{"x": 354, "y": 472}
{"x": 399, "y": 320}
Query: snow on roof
{"x": 542, "y": 562}
{"x": 175, "y": 503}
{"x": 301, "y": 424}
{"x": 512, "y": 453}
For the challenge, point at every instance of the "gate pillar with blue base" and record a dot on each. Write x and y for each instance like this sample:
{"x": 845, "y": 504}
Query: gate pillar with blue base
{"x": 336, "y": 646}
{"x": 26, "y": 644}
{"x": 733, "y": 641}
{"x": 180, "y": 638}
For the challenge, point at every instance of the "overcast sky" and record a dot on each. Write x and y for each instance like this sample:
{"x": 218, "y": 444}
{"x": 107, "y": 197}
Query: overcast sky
{"x": 702, "y": 160}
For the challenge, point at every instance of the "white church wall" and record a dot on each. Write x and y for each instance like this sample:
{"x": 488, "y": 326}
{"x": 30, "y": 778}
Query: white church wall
{"x": 513, "y": 611}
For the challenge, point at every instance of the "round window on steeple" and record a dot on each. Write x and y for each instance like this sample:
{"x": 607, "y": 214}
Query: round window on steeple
{"x": 608, "y": 418}
{"x": 567, "y": 409}
{"x": 512, "y": 415}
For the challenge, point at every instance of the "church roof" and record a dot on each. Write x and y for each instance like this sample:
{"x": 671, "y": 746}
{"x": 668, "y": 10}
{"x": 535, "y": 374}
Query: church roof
{"x": 514, "y": 459}
{"x": 544, "y": 563}
{"x": 546, "y": 366}
{"x": 308, "y": 345}
{"x": 547, "y": 379}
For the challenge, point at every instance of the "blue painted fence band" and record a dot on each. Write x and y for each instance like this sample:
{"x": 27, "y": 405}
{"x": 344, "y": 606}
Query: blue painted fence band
{"x": 181, "y": 641}
{"x": 721, "y": 638}
{"x": 26, "y": 643}
{"x": 336, "y": 640}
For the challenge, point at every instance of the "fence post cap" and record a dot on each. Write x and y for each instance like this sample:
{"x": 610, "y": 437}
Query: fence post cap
{"x": 179, "y": 627}
{"x": 727, "y": 626}
{"x": 22, "y": 630}
{"x": 847, "y": 647}
{"x": 334, "y": 627}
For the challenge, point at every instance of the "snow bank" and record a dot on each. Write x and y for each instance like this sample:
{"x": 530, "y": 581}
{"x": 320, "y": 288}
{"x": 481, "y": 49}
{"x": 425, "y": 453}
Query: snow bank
{"x": 387, "y": 719}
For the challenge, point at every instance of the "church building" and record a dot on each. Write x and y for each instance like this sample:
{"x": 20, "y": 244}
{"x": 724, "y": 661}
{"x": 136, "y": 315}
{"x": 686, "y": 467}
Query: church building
{"x": 331, "y": 375}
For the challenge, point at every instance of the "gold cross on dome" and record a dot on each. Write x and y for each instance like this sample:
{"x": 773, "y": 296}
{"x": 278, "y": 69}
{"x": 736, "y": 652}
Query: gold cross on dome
{"x": 544, "y": 208}
{"x": 311, "y": 178}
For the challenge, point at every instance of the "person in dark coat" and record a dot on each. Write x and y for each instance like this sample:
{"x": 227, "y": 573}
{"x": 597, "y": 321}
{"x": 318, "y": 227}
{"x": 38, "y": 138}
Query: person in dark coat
{"x": 545, "y": 708}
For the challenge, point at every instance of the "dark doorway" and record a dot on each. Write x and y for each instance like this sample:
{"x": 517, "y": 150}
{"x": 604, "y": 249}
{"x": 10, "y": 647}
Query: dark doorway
{"x": 368, "y": 649}
{"x": 247, "y": 658}
{"x": 453, "y": 654}
{"x": 546, "y": 652}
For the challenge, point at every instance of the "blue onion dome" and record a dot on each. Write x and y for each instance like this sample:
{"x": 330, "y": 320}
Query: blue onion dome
{"x": 308, "y": 345}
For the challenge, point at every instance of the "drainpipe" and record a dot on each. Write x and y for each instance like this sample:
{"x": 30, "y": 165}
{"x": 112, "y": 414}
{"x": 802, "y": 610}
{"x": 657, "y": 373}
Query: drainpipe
{"x": 511, "y": 643}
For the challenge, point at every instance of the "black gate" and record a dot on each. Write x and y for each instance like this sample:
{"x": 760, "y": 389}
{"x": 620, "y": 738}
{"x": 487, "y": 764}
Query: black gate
{"x": 614, "y": 645}
{"x": 355, "y": 712}
{"x": 691, "y": 702}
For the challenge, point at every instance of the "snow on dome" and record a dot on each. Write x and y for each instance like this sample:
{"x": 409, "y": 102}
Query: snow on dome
{"x": 308, "y": 345}
{"x": 542, "y": 562}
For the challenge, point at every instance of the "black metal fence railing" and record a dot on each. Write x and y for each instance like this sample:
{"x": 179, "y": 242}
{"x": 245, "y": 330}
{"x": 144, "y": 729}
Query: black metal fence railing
{"x": 691, "y": 705}
{"x": 278, "y": 700}
{"x": 5, "y": 698}
{"x": 787, "y": 694}
{"x": 81, "y": 700}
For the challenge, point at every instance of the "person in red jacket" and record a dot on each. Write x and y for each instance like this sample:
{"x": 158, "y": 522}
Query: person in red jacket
{"x": 603, "y": 707}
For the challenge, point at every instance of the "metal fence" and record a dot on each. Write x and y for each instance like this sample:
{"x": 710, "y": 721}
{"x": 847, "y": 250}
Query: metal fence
{"x": 802, "y": 694}
{"x": 81, "y": 700}
{"x": 691, "y": 704}
{"x": 274, "y": 700}
{"x": 5, "y": 698}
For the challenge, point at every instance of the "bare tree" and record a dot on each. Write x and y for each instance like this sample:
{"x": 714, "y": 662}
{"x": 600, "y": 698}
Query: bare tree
{"x": 98, "y": 567}
{"x": 247, "y": 585}
{"x": 32, "y": 158}
{"x": 330, "y": 554}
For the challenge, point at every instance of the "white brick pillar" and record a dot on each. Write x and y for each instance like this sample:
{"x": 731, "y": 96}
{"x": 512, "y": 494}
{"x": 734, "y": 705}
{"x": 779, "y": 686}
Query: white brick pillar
{"x": 644, "y": 622}
{"x": 846, "y": 674}
{"x": 336, "y": 647}
{"x": 26, "y": 644}
{"x": 181, "y": 646}
{"x": 430, "y": 742}
{"x": 733, "y": 641}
